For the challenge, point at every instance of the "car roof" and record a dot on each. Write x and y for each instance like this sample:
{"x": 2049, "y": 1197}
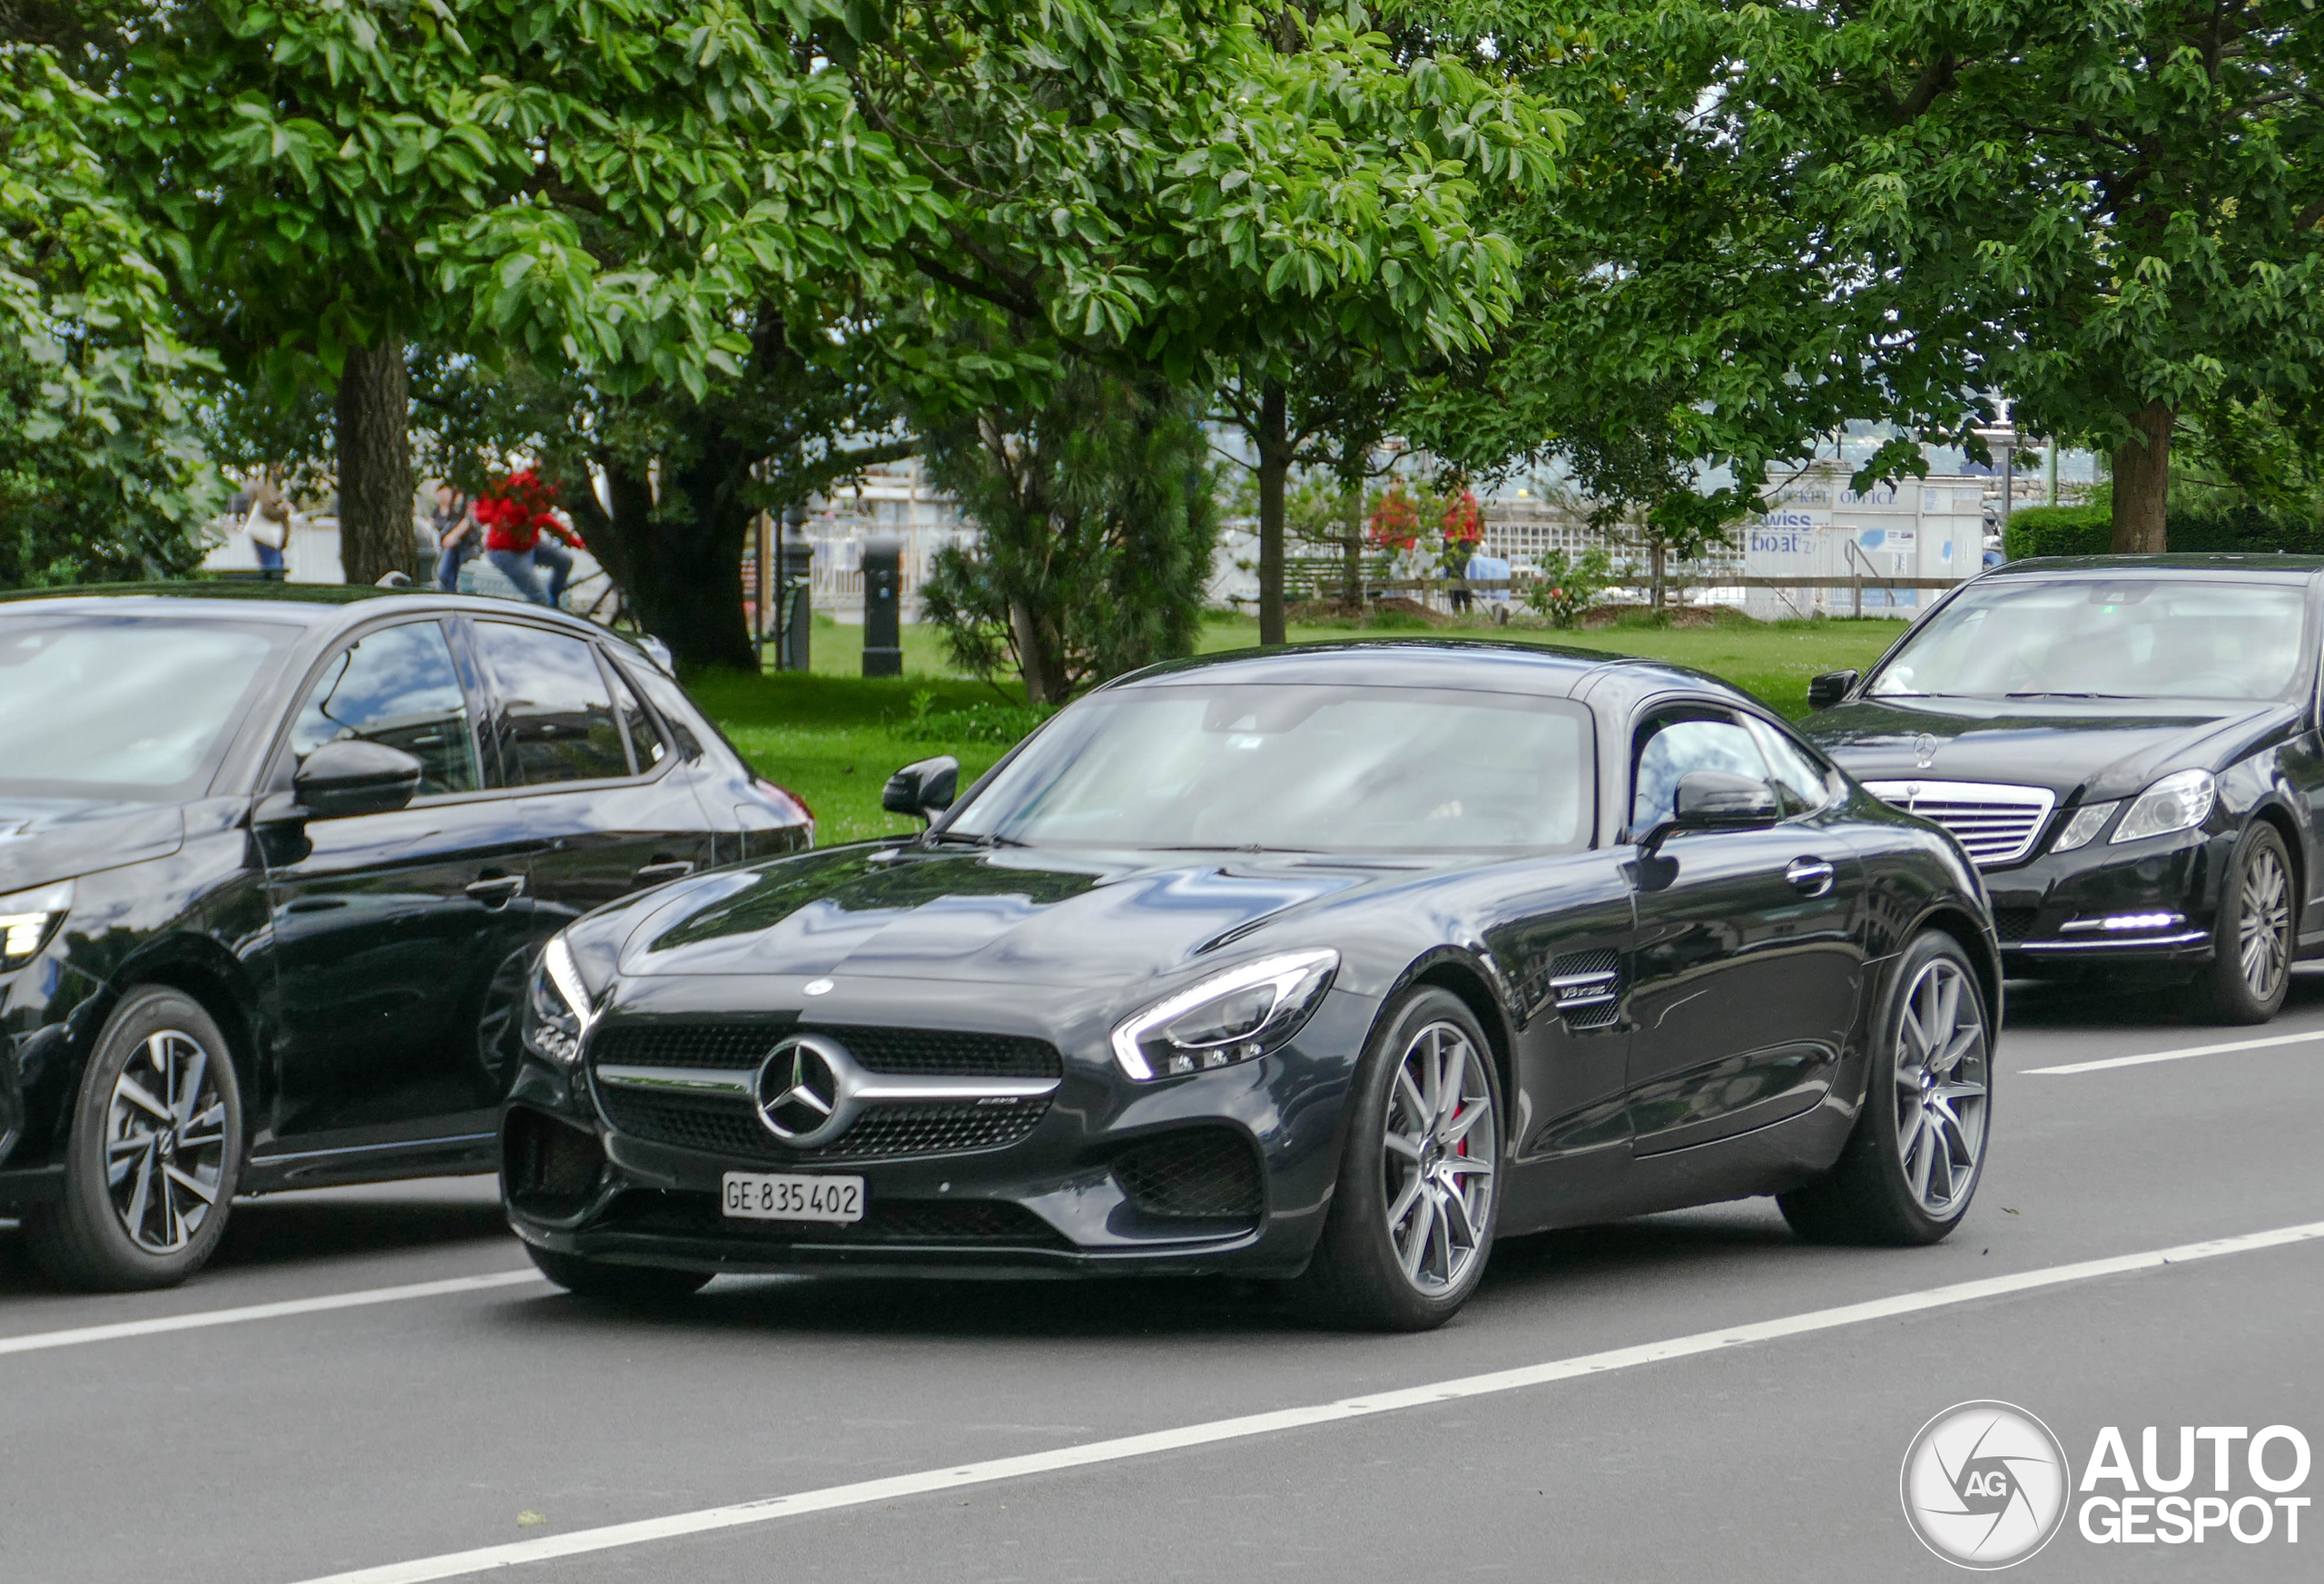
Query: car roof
{"x": 307, "y": 604}
{"x": 2283, "y": 569}
{"x": 1479, "y": 664}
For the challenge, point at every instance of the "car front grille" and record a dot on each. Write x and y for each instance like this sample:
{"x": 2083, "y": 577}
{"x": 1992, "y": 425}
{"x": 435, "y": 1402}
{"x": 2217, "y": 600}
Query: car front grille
{"x": 721, "y": 1126}
{"x": 1996, "y": 824}
{"x": 658, "y": 1042}
{"x": 1197, "y": 1174}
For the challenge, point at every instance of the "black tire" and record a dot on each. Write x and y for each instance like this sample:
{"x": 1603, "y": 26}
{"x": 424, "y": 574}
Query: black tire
{"x": 156, "y": 1040}
{"x": 1357, "y": 1278}
{"x": 2260, "y": 892}
{"x": 1877, "y": 1193}
{"x": 588, "y": 1278}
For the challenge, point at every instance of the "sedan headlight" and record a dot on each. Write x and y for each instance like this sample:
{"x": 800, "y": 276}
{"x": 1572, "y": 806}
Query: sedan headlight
{"x": 1236, "y": 1016}
{"x": 2176, "y": 803}
{"x": 2087, "y": 821}
{"x": 559, "y": 1011}
{"x": 27, "y": 918}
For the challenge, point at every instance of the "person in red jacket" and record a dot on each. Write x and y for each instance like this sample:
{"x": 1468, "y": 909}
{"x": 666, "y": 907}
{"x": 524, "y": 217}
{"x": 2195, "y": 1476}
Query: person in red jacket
{"x": 515, "y": 515}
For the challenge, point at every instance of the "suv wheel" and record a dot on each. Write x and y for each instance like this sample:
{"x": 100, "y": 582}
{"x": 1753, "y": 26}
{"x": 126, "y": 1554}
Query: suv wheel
{"x": 154, "y": 1150}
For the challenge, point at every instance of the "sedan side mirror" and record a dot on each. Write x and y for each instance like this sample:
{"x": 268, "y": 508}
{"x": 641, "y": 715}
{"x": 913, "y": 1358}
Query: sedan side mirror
{"x": 351, "y": 776}
{"x": 1714, "y": 800}
{"x": 924, "y": 790}
{"x": 1825, "y": 691}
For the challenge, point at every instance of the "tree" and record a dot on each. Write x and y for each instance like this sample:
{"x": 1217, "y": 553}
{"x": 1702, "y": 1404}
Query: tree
{"x": 1096, "y": 519}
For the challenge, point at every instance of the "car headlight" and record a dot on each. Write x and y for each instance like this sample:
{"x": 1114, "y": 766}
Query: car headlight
{"x": 2087, "y": 821}
{"x": 1236, "y": 1016}
{"x": 559, "y": 1011}
{"x": 27, "y": 918}
{"x": 2176, "y": 803}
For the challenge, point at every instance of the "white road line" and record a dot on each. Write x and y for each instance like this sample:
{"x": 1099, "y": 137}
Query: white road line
{"x": 460, "y": 1564}
{"x": 2179, "y": 1053}
{"x": 41, "y": 1340}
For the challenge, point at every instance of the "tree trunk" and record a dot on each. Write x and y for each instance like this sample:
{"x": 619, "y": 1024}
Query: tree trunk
{"x": 1039, "y": 657}
{"x": 1352, "y": 481}
{"x": 1654, "y": 550}
{"x": 679, "y": 566}
{"x": 1275, "y": 465}
{"x": 375, "y": 500}
{"x": 2141, "y": 483}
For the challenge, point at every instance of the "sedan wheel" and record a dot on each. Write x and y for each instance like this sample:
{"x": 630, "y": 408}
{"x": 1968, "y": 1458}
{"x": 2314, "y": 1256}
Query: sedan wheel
{"x": 1411, "y": 1219}
{"x": 154, "y": 1155}
{"x": 1912, "y": 1165}
{"x": 2253, "y": 943}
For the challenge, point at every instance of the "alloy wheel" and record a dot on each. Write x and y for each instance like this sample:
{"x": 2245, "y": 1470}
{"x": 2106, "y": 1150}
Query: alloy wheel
{"x": 1942, "y": 1077}
{"x": 2263, "y": 930}
{"x": 165, "y": 1142}
{"x": 1440, "y": 1158}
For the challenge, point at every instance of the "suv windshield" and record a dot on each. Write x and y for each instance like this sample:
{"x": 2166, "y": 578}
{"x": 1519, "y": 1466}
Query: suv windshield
{"x": 123, "y": 707}
{"x": 1261, "y": 767}
{"x": 2147, "y": 638}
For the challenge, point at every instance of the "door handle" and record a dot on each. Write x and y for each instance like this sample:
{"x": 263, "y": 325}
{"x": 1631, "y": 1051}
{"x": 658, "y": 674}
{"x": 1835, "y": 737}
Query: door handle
{"x": 1809, "y": 876}
{"x": 662, "y": 869}
{"x": 496, "y": 891}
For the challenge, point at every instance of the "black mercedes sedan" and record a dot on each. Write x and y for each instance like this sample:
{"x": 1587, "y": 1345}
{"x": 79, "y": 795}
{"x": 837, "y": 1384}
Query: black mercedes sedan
{"x": 2129, "y": 747}
{"x": 274, "y": 872}
{"x": 1327, "y": 963}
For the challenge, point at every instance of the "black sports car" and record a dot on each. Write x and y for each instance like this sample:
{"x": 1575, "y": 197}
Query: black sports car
{"x": 1323, "y": 963}
{"x": 2129, "y": 747}
{"x": 274, "y": 873}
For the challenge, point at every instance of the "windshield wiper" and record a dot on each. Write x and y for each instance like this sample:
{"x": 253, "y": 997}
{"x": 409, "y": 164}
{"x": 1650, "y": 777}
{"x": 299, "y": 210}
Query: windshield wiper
{"x": 968, "y": 839}
{"x": 2055, "y": 693}
{"x": 1225, "y": 847}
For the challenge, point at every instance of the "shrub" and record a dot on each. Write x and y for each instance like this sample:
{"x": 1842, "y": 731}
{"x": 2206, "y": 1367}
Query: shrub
{"x": 2059, "y": 530}
{"x": 1570, "y": 586}
{"x": 2088, "y": 530}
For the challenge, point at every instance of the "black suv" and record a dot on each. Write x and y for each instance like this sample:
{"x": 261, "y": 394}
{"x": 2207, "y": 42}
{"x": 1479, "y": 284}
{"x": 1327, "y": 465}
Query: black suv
{"x": 274, "y": 869}
{"x": 2129, "y": 747}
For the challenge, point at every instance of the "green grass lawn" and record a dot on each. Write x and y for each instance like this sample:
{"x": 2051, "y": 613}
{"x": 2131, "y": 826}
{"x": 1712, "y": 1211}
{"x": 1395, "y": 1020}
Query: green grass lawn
{"x": 833, "y": 735}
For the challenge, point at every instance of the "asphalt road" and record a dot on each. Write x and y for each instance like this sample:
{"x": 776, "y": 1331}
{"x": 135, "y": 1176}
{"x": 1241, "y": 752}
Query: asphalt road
{"x": 478, "y": 1413}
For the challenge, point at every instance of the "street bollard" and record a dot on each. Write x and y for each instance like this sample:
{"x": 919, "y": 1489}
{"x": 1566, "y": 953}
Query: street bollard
{"x": 883, "y": 653}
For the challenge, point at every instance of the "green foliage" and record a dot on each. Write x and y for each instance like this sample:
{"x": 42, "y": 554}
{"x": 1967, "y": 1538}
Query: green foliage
{"x": 1570, "y": 585}
{"x": 2058, "y": 530}
{"x": 986, "y": 721}
{"x": 1098, "y": 516}
{"x": 2203, "y": 525}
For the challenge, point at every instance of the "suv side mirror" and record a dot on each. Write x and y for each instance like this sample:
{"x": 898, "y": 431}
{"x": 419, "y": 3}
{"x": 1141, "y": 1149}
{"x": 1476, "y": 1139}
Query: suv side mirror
{"x": 924, "y": 790}
{"x": 1714, "y": 800}
{"x": 1825, "y": 691}
{"x": 352, "y": 776}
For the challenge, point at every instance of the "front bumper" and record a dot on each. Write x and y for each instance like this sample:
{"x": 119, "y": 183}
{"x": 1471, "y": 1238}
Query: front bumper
{"x": 1075, "y": 1195}
{"x": 2147, "y": 902}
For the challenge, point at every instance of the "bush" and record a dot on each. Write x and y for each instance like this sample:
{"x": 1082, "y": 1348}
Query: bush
{"x": 2088, "y": 530}
{"x": 2059, "y": 530}
{"x": 1568, "y": 586}
{"x": 1003, "y": 724}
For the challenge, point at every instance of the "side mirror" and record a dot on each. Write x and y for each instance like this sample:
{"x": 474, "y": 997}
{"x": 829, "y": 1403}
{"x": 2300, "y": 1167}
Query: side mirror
{"x": 924, "y": 790}
{"x": 1825, "y": 691}
{"x": 1713, "y": 800}
{"x": 351, "y": 776}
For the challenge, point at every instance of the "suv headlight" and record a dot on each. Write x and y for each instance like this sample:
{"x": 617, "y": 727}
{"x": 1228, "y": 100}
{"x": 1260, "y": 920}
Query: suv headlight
{"x": 2176, "y": 803}
{"x": 559, "y": 1011}
{"x": 1236, "y": 1016}
{"x": 27, "y": 918}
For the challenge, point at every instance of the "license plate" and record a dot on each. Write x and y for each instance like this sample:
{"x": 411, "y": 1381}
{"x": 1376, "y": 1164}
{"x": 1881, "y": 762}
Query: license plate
{"x": 779, "y": 1196}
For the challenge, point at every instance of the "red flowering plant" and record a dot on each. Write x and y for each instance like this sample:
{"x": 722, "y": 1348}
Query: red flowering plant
{"x": 1395, "y": 520}
{"x": 519, "y": 502}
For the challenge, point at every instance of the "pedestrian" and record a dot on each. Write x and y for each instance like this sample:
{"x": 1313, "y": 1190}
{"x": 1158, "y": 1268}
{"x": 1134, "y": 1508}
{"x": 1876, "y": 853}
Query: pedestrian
{"x": 457, "y": 533}
{"x": 514, "y": 516}
{"x": 269, "y": 526}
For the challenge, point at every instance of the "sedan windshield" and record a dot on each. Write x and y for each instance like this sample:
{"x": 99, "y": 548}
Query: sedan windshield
{"x": 2195, "y": 639}
{"x": 1281, "y": 768}
{"x": 126, "y": 707}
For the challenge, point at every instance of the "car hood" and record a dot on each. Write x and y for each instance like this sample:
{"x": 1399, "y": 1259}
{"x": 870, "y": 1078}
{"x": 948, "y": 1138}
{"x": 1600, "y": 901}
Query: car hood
{"x": 2101, "y": 748}
{"x": 43, "y": 839}
{"x": 1010, "y": 916}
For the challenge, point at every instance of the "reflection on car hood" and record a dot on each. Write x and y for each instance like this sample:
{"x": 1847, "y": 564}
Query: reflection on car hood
{"x": 2105, "y": 748}
{"x": 43, "y": 841}
{"x": 1008, "y": 915}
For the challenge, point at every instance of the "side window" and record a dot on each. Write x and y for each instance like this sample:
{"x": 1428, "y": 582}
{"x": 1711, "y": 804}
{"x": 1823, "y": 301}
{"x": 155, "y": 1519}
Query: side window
{"x": 1672, "y": 746}
{"x": 669, "y": 701}
{"x": 396, "y": 686}
{"x": 646, "y": 748}
{"x": 559, "y": 716}
{"x": 1798, "y": 778}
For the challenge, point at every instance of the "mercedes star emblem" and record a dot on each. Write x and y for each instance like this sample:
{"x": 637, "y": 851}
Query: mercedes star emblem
{"x": 1924, "y": 750}
{"x": 801, "y": 1089}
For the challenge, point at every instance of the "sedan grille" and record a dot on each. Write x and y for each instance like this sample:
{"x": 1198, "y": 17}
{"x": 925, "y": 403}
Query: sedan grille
{"x": 898, "y": 1132}
{"x": 1997, "y": 824}
{"x": 653, "y": 1042}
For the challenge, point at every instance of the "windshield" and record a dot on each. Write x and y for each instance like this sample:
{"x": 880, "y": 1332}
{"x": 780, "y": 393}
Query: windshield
{"x": 123, "y": 707}
{"x": 2198, "y": 638}
{"x": 1259, "y": 767}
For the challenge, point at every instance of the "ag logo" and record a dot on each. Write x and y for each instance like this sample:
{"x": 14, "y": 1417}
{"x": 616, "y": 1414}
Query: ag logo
{"x": 1984, "y": 1485}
